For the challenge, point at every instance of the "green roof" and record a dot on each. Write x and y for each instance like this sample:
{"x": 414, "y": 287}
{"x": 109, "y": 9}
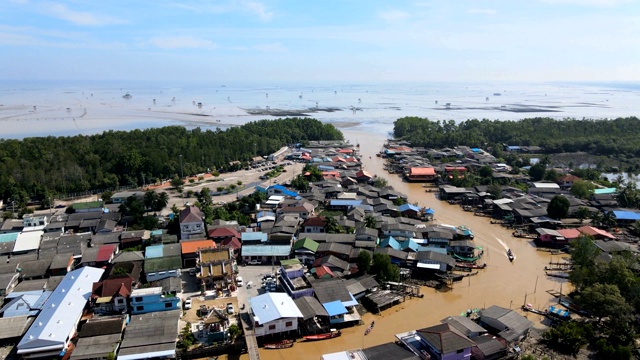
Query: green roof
{"x": 307, "y": 244}
{"x": 289, "y": 262}
{"x": 87, "y": 205}
{"x": 162, "y": 264}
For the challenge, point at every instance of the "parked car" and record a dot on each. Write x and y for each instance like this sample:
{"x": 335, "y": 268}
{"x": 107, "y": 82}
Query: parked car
{"x": 230, "y": 309}
{"x": 187, "y": 304}
{"x": 239, "y": 281}
{"x": 255, "y": 262}
{"x": 192, "y": 272}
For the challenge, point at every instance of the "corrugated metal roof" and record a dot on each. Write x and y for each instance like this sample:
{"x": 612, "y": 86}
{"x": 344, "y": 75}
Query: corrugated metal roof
{"x": 271, "y": 306}
{"x": 56, "y": 320}
{"x": 335, "y": 308}
{"x": 266, "y": 250}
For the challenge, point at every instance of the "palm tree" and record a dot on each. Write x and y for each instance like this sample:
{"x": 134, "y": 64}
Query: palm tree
{"x": 332, "y": 226}
{"x": 149, "y": 199}
{"x": 160, "y": 201}
{"x": 370, "y": 222}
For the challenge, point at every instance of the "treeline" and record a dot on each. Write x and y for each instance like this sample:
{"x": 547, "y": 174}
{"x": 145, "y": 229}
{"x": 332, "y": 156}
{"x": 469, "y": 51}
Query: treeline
{"x": 40, "y": 167}
{"x": 619, "y": 136}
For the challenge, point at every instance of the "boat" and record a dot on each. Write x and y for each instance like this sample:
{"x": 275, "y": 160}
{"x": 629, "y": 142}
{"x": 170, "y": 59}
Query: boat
{"x": 331, "y": 334}
{"x": 470, "y": 265}
{"x": 127, "y": 96}
{"x": 510, "y": 255}
{"x": 284, "y": 344}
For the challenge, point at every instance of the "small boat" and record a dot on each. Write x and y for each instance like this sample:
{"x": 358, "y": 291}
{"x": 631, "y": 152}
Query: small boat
{"x": 331, "y": 334}
{"x": 470, "y": 265}
{"x": 510, "y": 255}
{"x": 127, "y": 96}
{"x": 284, "y": 344}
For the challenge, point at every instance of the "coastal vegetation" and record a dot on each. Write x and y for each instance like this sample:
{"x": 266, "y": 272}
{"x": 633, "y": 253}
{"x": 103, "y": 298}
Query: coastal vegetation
{"x": 617, "y": 138}
{"x": 607, "y": 293}
{"x": 36, "y": 169}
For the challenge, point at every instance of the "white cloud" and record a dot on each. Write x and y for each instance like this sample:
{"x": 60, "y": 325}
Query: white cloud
{"x": 182, "y": 42}
{"x": 394, "y": 15}
{"x": 482, "y": 11}
{"x": 274, "y": 47}
{"x": 259, "y": 9}
{"x": 82, "y": 18}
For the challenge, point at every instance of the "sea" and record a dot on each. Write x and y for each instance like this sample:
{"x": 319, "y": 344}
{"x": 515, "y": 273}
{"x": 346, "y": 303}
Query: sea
{"x": 67, "y": 108}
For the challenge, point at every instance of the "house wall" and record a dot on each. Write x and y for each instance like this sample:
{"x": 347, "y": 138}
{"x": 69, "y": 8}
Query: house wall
{"x": 277, "y": 326}
{"x": 465, "y": 354}
{"x": 187, "y": 229}
{"x": 306, "y": 257}
{"x": 314, "y": 229}
{"x": 155, "y": 276}
{"x": 400, "y": 233}
{"x": 154, "y": 302}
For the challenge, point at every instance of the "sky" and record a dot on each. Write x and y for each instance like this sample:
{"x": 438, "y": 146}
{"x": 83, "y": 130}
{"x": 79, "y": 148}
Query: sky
{"x": 315, "y": 41}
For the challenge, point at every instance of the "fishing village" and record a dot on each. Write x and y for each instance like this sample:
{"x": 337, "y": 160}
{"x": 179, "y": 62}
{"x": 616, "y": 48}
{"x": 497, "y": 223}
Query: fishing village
{"x": 334, "y": 261}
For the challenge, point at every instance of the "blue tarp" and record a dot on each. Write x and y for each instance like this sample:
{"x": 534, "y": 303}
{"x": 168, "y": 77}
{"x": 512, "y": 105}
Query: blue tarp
{"x": 559, "y": 312}
{"x": 335, "y": 308}
{"x": 626, "y": 215}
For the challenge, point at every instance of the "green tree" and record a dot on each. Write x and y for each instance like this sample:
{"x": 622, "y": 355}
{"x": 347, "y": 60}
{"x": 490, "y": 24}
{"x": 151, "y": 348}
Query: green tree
{"x": 332, "y": 226}
{"x": 569, "y": 337}
{"x": 558, "y": 207}
{"x": 582, "y": 213}
{"x": 363, "y": 261}
{"x": 234, "y": 331}
{"x": 604, "y": 300}
{"x": 177, "y": 183}
{"x": 583, "y": 257}
{"x": 380, "y": 182}
{"x": 537, "y": 171}
{"x": 582, "y": 189}
{"x": 370, "y": 222}
{"x": 106, "y": 196}
{"x": 551, "y": 175}
{"x": 149, "y": 199}
{"x": 383, "y": 268}
{"x": 495, "y": 190}
{"x": 485, "y": 171}
{"x": 160, "y": 202}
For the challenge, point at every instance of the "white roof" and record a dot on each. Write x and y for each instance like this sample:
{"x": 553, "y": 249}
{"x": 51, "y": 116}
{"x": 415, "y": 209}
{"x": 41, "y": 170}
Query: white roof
{"x": 546, "y": 185}
{"x": 271, "y": 306}
{"x": 278, "y": 198}
{"x": 61, "y": 313}
{"x": 27, "y": 241}
{"x": 502, "y": 201}
{"x": 146, "y": 291}
{"x": 428, "y": 266}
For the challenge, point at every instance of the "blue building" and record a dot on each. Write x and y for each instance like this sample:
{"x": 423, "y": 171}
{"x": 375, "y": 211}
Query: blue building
{"x": 151, "y": 300}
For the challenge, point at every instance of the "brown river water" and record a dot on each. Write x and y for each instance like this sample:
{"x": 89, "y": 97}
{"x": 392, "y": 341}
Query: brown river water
{"x": 500, "y": 283}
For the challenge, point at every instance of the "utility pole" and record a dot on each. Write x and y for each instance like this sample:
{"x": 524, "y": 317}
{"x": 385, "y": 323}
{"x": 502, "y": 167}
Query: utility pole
{"x": 181, "y": 169}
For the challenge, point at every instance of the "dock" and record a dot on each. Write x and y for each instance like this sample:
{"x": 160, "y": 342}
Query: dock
{"x": 250, "y": 337}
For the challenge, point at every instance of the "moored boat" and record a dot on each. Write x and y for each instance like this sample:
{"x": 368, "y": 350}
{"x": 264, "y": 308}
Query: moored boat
{"x": 333, "y": 333}
{"x": 279, "y": 345}
{"x": 470, "y": 265}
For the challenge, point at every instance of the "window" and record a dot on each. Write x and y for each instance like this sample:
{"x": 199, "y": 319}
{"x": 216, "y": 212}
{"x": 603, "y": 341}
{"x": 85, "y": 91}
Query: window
{"x": 168, "y": 305}
{"x": 288, "y": 324}
{"x": 272, "y": 327}
{"x": 460, "y": 351}
{"x": 140, "y": 308}
{"x": 138, "y": 299}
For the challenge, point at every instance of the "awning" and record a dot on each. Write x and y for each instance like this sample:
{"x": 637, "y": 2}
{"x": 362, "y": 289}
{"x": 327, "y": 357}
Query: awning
{"x": 428, "y": 266}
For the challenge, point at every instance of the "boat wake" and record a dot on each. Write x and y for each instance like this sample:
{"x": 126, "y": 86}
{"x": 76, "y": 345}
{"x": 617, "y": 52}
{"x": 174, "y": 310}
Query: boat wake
{"x": 506, "y": 248}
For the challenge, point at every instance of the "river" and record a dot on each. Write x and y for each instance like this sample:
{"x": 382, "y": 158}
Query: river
{"x": 500, "y": 283}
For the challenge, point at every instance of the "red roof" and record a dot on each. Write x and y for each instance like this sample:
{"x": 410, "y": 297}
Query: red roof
{"x": 455, "y": 168}
{"x": 192, "y": 246}
{"x": 568, "y": 178}
{"x": 595, "y": 232}
{"x": 314, "y": 221}
{"x": 569, "y": 233}
{"x": 105, "y": 252}
{"x": 114, "y": 286}
{"x": 233, "y": 242}
{"x": 364, "y": 173}
{"x": 322, "y": 270}
{"x": 191, "y": 214}
{"x": 345, "y": 151}
{"x": 422, "y": 171}
{"x": 223, "y": 232}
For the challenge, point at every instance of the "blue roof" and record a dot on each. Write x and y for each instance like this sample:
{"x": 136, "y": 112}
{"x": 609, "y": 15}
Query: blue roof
{"x": 156, "y": 233}
{"x": 430, "y": 211}
{"x": 325, "y": 167}
{"x": 342, "y": 202}
{"x": 284, "y": 190}
{"x": 261, "y": 189}
{"x": 253, "y": 236}
{"x": 335, "y": 308}
{"x": 390, "y": 242}
{"x": 153, "y": 252}
{"x": 514, "y": 147}
{"x": 266, "y": 250}
{"x": 558, "y": 311}
{"x": 8, "y": 237}
{"x": 605, "y": 191}
{"x": 265, "y": 213}
{"x": 353, "y": 301}
{"x": 475, "y": 150}
{"x": 407, "y": 206}
{"x": 626, "y": 215}
{"x": 433, "y": 248}
{"x": 409, "y": 244}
